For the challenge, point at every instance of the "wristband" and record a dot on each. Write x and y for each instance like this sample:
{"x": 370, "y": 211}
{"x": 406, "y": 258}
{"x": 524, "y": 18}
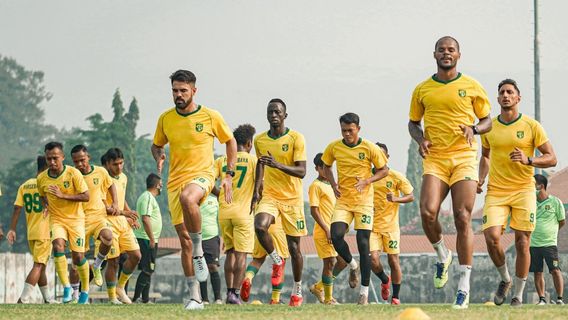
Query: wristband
{"x": 530, "y": 161}
{"x": 474, "y": 128}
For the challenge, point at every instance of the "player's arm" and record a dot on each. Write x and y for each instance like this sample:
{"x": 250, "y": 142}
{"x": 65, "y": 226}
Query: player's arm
{"x": 379, "y": 174}
{"x": 331, "y": 179}
{"x": 416, "y": 132}
{"x": 483, "y": 168}
{"x": 80, "y": 197}
{"x": 146, "y": 220}
{"x": 215, "y": 191}
{"x": 561, "y": 224}
{"x": 406, "y": 198}
{"x": 547, "y": 158}
{"x": 257, "y": 193}
{"x": 298, "y": 170}
{"x": 159, "y": 154}
{"x": 113, "y": 209}
{"x": 227, "y": 182}
{"x": 319, "y": 220}
{"x": 11, "y": 235}
{"x": 130, "y": 214}
{"x": 484, "y": 125}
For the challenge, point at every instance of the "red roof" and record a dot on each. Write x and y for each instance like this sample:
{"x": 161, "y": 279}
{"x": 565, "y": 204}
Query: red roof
{"x": 558, "y": 185}
{"x": 409, "y": 244}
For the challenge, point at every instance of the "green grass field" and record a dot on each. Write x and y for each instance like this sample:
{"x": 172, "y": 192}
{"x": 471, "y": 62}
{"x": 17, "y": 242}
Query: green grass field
{"x": 262, "y": 312}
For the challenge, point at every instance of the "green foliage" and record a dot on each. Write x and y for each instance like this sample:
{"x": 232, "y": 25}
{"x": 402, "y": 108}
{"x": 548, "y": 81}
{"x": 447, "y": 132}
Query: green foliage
{"x": 410, "y": 212}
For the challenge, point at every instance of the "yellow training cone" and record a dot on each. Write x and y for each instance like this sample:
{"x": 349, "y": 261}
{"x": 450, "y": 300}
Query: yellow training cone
{"x": 413, "y": 314}
{"x": 256, "y": 302}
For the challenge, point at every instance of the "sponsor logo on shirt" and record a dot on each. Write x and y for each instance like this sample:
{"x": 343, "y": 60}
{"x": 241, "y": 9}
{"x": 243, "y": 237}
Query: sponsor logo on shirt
{"x": 96, "y": 181}
{"x": 285, "y": 147}
{"x": 389, "y": 184}
{"x": 199, "y": 127}
{"x": 520, "y": 134}
{"x": 361, "y": 155}
{"x": 66, "y": 184}
{"x": 462, "y": 93}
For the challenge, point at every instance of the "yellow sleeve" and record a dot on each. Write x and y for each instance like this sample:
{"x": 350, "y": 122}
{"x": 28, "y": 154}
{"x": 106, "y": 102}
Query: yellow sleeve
{"x": 313, "y": 194}
{"x": 328, "y": 157}
{"x": 299, "y": 148}
{"x": 416, "y": 108}
{"x": 377, "y": 156}
{"x": 405, "y": 187}
{"x": 160, "y": 138}
{"x": 79, "y": 183}
{"x": 107, "y": 180}
{"x": 258, "y": 155}
{"x": 481, "y": 105}
{"x": 539, "y": 135}
{"x": 220, "y": 128}
{"x": 39, "y": 187}
{"x": 484, "y": 141}
{"x": 20, "y": 197}
{"x": 218, "y": 167}
{"x": 254, "y": 163}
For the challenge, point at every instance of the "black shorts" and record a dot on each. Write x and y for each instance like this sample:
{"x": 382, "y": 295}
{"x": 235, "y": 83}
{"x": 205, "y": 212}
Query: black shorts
{"x": 212, "y": 250}
{"x": 549, "y": 254}
{"x": 148, "y": 261}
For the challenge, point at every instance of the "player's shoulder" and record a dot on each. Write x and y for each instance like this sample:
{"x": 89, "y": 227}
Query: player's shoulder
{"x": 31, "y": 183}
{"x": 470, "y": 80}
{"x": 169, "y": 112}
{"x": 335, "y": 143}
{"x": 295, "y": 134}
{"x": 99, "y": 170}
{"x": 369, "y": 144}
{"x": 261, "y": 136}
{"x": 212, "y": 113}
{"x": 396, "y": 174}
{"x": 72, "y": 171}
{"x": 526, "y": 119}
{"x": 42, "y": 175}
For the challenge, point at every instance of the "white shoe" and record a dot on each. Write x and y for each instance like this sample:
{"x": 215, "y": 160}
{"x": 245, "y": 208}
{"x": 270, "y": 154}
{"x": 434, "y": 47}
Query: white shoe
{"x": 51, "y": 301}
{"x": 200, "y": 268}
{"x": 218, "y": 301}
{"x": 114, "y": 301}
{"x": 122, "y": 296}
{"x": 194, "y": 305}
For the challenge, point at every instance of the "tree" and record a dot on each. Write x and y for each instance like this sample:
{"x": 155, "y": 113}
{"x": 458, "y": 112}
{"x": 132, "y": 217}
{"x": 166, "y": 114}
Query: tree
{"x": 410, "y": 211}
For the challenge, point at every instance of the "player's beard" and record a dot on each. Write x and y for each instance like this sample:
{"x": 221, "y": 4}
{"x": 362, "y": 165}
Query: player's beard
{"x": 182, "y": 104}
{"x": 446, "y": 67}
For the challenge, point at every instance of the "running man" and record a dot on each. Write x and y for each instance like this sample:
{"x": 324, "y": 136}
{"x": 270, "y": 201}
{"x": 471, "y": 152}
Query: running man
{"x": 38, "y": 235}
{"x": 62, "y": 189}
{"x": 190, "y": 130}
{"x": 124, "y": 240}
{"x": 236, "y": 220}
{"x": 508, "y": 156}
{"x": 355, "y": 159}
{"x": 449, "y": 102}
{"x": 282, "y": 164}
{"x": 322, "y": 203}
{"x": 389, "y": 193}
{"x": 550, "y": 217}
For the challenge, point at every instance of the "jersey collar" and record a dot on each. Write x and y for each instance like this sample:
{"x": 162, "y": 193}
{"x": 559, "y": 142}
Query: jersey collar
{"x": 188, "y": 114}
{"x": 509, "y": 123}
{"x": 274, "y": 138}
{"x": 352, "y": 146}
{"x": 57, "y": 176}
{"x": 448, "y": 81}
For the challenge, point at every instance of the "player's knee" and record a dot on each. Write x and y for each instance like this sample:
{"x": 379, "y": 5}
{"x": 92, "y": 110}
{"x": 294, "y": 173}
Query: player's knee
{"x": 135, "y": 256}
{"x": 522, "y": 244}
{"x": 76, "y": 257}
{"x": 260, "y": 228}
{"x": 336, "y": 238}
{"x": 462, "y": 221}
{"x": 106, "y": 237}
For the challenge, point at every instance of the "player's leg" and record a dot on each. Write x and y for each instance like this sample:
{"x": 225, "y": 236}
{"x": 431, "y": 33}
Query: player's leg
{"x": 75, "y": 282}
{"x": 76, "y": 235}
{"x": 243, "y": 234}
{"x": 522, "y": 243}
{"x": 215, "y": 281}
{"x": 262, "y": 222}
{"x": 190, "y": 198}
{"x": 365, "y": 264}
{"x": 110, "y": 277}
{"x": 553, "y": 263}
{"x": 128, "y": 244}
{"x": 376, "y": 245}
{"x": 105, "y": 237}
{"x": 297, "y": 264}
{"x": 149, "y": 272}
{"x": 43, "y": 284}
{"x": 31, "y": 280}
{"x": 338, "y": 230}
{"x": 536, "y": 268}
{"x": 144, "y": 264}
{"x": 539, "y": 286}
{"x": 497, "y": 254}
{"x": 463, "y": 200}
{"x": 396, "y": 275}
{"x": 258, "y": 257}
{"x": 186, "y": 263}
{"x": 327, "y": 279}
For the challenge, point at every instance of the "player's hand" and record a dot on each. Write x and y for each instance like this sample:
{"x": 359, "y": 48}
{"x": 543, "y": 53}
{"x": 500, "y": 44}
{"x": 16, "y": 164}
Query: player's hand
{"x": 113, "y": 210}
{"x": 336, "y": 191}
{"x": 390, "y": 197}
{"x": 361, "y": 184}
{"x": 11, "y": 236}
{"x": 160, "y": 163}
{"x": 328, "y": 236}
{"x": 1, "y": 233}
{"x": 255, "y": 199}
{"x": 519, "y": 156}
{"x": 130, "y": 214}
{"x": 424, "y": 148}
{"x": 133, "y": 223}
{"x": 152, "y": 244}
{"x": 54, "y": 190}
{"x": 467, "y": 133}
{"x": 227, "y": 186}
{"x": 45, "y": 211}
{"x": 480, "y": 184}
{"x": 268, "y": 161}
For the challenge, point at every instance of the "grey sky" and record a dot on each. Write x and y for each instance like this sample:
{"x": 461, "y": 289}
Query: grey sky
{"x": 323, "y": 58}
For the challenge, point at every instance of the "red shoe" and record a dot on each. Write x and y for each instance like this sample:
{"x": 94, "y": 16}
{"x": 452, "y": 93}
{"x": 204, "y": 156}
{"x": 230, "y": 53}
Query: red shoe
{"x": 295, "y": 301}
{"x": 278, "y": 273}
{"x": 274, "y": 302}
{"x": 385, "y": 290}
{"x": 245, "y": 290}
{"x": 395, "y": 302}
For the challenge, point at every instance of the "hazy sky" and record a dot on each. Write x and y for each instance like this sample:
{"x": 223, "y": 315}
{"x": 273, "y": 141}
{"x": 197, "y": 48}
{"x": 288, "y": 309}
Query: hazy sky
{"x": 324, "y": 58}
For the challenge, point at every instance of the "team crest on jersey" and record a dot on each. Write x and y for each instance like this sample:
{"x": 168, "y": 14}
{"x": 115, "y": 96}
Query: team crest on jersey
{"x": 361, "y": 155}
{"x": 520, "y": 134}
{"x": 96, "y": 181}
{"x": 389, "y": 184}
{"x": 462, "y": 93}
{"x": 66, "y": 184}
{"x": 285, "y": 147}
{"x": 199, "y": 127}
{"x": 547, "y": 207}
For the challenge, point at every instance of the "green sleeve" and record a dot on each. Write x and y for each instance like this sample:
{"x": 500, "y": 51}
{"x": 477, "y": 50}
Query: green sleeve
{"x": 143, "y": 205}
{"x": 560, "y": 212}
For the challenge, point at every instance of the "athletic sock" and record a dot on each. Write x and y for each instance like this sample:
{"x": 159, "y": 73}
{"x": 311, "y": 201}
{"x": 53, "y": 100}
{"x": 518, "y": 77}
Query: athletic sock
{"x": 297, "y": 291}
{"x": 251, "y": 272}
{"x": 364, "y": 290}
{"x": 99, "y": 260}
{"x": 353, "y": 264}
{"x": 203, "y": 290}
{"x": 237, "y": 291}
{"x": 504, "y": 273}
{"x": 383, "y": 276}
{"x": 141, "y": 283}
{"x": 45, "y": 293}
{"x": 193, "y": 286}
{"x": 216, "y": 284}
{"x": 196, "y": 241}
{"x": 75, "y": 287}
{"x": 327, "y": 283}
{"x": 319, "y": 285}
{"x": 275, "y": 257}
{"x": 276, "y": 292}
{"x": 395, "y": 290}
{"x": 26, "y": 293}
{"x": 465, "y": 273}
{"x": 441, "y": 250}
{"x": 519, "y": 288}
{"x": 111, "y": 290}
{"x": 61, "y": 268}
{"x": 336, "y": 272}
{"x": 123, "y": 278}
{"x": 83, "y": 271}
{"x": 146, "y": 291}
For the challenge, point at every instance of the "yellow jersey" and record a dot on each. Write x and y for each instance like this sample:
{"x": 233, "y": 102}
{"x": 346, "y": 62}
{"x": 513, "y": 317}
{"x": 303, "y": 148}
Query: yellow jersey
{"x": 243, "y": 185}
{"x": 506, "y": 176}
{"x": 354, "y": 162}
{"x": 28, "y": 198}
{"x": 446, "y": 105}
{"x": 321, "y": 195}
{"x": 191, "y": 138}
{"x": 120, "y": 184}
{"x": 98, "y": 180}
{"x": 386, "y": 212}
{"x": 286, "y": 149}
{"x": 69, "y": 181}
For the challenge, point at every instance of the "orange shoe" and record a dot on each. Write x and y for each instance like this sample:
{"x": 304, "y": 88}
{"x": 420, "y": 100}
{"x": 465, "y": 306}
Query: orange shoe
{"x": 385, "y": 290}
{"x": 295, "y": 301}
{"x": 395, "y": 302}
{"x": 274, "y": 302}
{"x": 245, "y": 290}
{"x": 278, "y": 273}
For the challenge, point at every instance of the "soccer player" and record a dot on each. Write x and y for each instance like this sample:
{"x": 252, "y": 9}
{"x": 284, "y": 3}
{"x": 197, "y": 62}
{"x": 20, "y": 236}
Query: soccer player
{"x": 124, "y": 240}
{"x": 148, "y": 236}
{"x": 190, "y": 130}
{"x": 389, "y": 193}
{"x": 38, "y": 235}
{"x": 62, "y": 189}
{"x": 550, "y": 217}
{"x": 508, "y": 157}
{"x": 99, "y": 183}
{"x": 322, "y": 203}
{"x": 236, "y": 219}
{"x": 282, "y": 164}
{"x": 448, "y": 102}
{"x": 276, "y": 232}
{"x": 211, "y": 247}
{"x": 355, "y": 159}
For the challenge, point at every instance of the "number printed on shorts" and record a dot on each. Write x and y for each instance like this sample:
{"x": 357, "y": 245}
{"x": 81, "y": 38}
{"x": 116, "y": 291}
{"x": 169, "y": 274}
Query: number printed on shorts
{"x": 393, "y": 244}
{"x": 366, "y": 219}
{"x": 532, "y": 217}
{"x": 32, "y": 203}
{"x": 80, "y": 242}
{"x": 300, "y": 224}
